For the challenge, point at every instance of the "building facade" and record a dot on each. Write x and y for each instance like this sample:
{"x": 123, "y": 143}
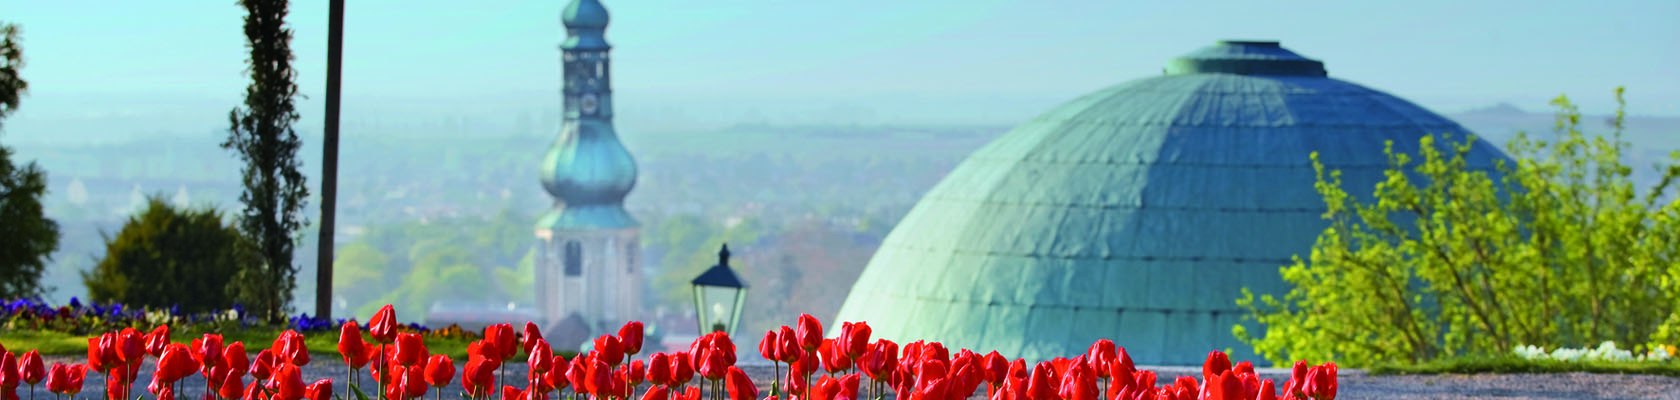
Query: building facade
{"x": 588, "y": 278}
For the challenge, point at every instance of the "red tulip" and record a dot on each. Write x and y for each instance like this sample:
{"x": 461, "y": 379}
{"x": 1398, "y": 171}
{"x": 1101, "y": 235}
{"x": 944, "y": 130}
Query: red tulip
{"x": 289, "y": 347}
{"x": 1320, "y": 383}
{"x": 1079, "y": 383}
{"x": 57, "y": 377}
{"x": 682, "y": 369}
{"x": 501, "y": 335}
{"x": 31, "y": 369}
{"x": 854, "y": 339}
{"x": 788, "y": 349}
{"x": 9, "y": 376}
{"x": 848, "y": 387}
{"x": 176, "y": 363}
{"x": 825, "y": 388}
{"x": 116, "y": 385}
{"x": 577, "y": 373}
{"x": 235, "y": 358}
{"x": 531, "y": 336}
{"x": 994, "y": 368}
{"x": 72, "y": 382}
{"x": 659, "y": 369}
{"x": 157, "y": 340}
{"x": 263, "y": 366}
{"x": 609, "y": 349}
{"x": 1217, "y": 363}
{"x": 320, "y": 390}
{"x": 232, "y": 386}
{"x": 657, "y": 392}
{"x": 254, "y": 391}
{"x": 935, "y": 389}
{"x": 723, "y": 344}
{"x": 510, "y": 393}
{"x": 1102, "y": 355}
{"x": 1041, "y": 385}
{"x": 1224, "y": 386}
{"x": 1267, "y": 391}
{"x": 383, "y": 326}
{"x": 881, "y": 360}
{"x": 740, "y": 386}
{"x": 411, "y": 350}
{"x": 630, "y": 336}
{"x": 413, "y": 382}
{"x": 440, "y": 370}
{"x": 162, "y": 390}
{"x": 715, "y": 366}
{"x": 351, "y": 346}
{"x": 478, "y": 377}
{"x": 102, "y": 352}
{"x": 207, "y": 350}
{"x": 834, "y": 358}
{"x": 598, "y": 378}
{"x": 767, "y": 346}
{"x": 131, "y": 346}
{"x": 810, "y": 332}
{"x": 288, "y": 382}
{"x": 692, "y": 393}
{"x": 556, "y": 377}
{"x": 541, "y": 358}
{"x": 637, "y": 373}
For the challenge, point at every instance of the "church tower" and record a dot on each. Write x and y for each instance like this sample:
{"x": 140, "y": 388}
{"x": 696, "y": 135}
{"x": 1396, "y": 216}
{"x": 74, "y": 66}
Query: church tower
{"x": 588, "y": 277}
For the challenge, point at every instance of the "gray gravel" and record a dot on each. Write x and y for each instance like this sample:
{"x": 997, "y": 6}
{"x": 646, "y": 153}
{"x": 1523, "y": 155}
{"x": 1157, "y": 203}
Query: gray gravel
{"x": 1354, "y": 384}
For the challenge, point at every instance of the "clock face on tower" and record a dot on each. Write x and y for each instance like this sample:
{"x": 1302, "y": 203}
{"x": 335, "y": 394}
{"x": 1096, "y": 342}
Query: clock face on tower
{"x": 588, "y": 103}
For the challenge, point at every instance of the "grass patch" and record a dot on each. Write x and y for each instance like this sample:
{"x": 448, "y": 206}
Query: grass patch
{"x": 1511, "y": 364}
{"x": 256, "y": 339}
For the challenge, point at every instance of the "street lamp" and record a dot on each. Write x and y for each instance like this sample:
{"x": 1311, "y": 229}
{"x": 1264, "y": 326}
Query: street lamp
{"x": 718, "y": 296}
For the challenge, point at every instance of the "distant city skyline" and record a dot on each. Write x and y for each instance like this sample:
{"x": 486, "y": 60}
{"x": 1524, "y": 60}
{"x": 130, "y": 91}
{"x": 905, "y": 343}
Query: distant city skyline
{"x": 120, "y": 70}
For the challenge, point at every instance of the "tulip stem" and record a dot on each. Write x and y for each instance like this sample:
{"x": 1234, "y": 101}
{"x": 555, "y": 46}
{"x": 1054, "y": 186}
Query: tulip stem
{"x": 384, "y": 367}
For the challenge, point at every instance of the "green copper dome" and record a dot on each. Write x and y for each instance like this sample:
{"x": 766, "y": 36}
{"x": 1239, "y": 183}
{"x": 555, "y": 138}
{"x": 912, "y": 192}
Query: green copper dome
{"x": 1137, "y": 212}
{"x": 584, "y": 14}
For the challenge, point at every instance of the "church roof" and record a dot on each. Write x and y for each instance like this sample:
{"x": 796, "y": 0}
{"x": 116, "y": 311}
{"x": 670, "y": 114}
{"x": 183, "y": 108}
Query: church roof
{"x": 1137, "y": 212}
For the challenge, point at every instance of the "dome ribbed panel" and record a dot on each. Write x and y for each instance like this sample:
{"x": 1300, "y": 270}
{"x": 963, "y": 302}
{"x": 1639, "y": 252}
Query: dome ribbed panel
{"x": 1135, "y": 213}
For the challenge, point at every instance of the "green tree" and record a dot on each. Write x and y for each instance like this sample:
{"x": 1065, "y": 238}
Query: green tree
{"x": 167, "y": 256}
{"x": 1559, "y": 250}
{"x": 262, "y": 134}
{"x": 30, "y": 237}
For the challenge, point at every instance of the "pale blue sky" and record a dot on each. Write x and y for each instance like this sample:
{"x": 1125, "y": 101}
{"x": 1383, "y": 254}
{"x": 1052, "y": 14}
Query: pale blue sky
{"x": 114, "y": 69}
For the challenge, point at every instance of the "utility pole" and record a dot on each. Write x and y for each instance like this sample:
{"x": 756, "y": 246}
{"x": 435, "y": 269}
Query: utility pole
{"x": 329, "y": 162}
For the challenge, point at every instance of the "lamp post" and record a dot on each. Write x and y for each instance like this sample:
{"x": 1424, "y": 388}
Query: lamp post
{"x": 718, "y": 296}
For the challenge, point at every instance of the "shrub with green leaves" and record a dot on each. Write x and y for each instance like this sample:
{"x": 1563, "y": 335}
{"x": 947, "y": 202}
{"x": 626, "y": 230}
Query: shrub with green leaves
{"x": 1559, "y": 250}
{"x": 167, "y": 256}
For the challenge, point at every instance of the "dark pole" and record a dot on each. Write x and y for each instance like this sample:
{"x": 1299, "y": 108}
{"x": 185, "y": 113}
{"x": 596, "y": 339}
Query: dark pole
{"x": 329, "y": 162}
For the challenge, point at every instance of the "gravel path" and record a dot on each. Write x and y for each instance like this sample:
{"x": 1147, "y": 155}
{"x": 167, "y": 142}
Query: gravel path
{"x": 1354, "y": 384}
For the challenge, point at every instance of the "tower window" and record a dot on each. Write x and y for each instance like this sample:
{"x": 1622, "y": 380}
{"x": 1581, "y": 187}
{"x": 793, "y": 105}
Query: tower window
{"x": 630, "y": 251}
{"x": 574, "y": 258}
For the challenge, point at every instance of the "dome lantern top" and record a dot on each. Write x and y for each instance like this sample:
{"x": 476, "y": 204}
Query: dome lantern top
{"x": 1244, "y": 57}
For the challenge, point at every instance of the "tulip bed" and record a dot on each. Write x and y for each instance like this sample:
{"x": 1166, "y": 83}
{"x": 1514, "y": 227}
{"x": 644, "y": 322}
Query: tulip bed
{"x": 400, "y": 366}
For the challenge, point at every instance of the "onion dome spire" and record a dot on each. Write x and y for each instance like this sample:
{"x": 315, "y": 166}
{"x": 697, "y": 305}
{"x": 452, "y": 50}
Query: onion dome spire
{"x": 587, "y": 170}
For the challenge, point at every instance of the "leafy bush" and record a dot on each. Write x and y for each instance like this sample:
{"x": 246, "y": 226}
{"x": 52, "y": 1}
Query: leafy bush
{"x": 166, "y": 257}
{"x": 1560, "y": 250}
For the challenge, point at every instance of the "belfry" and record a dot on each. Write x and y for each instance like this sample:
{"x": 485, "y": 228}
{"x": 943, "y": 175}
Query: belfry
{"x": 588, "y": 276}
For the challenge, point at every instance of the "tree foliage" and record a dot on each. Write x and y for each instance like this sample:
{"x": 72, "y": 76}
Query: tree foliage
{"x": 262, "y": 134}
{"x": 167, "y": 256}
{"x": 27, "y": 236}
{"x": 1557, "y": 250}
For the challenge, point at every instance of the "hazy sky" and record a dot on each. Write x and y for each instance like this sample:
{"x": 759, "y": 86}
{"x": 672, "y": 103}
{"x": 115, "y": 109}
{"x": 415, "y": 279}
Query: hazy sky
{"x": 114, "y": 69}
